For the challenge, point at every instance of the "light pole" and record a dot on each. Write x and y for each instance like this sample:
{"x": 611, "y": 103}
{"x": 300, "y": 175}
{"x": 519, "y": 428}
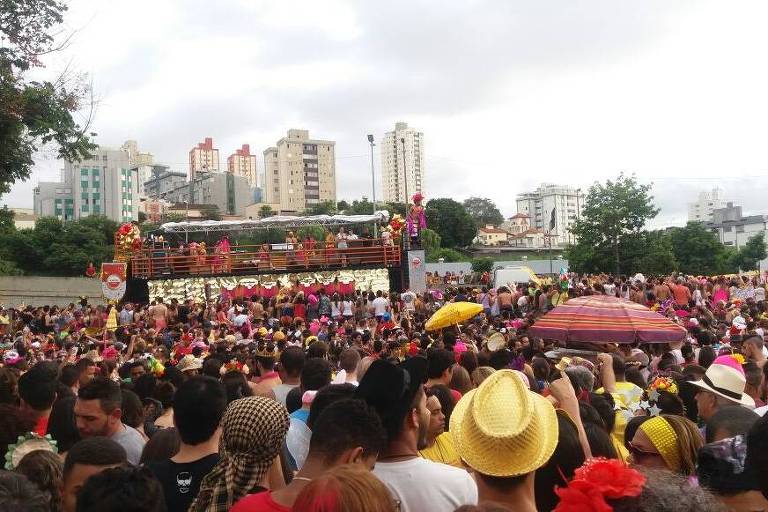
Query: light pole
{"x": 373, "y": 187}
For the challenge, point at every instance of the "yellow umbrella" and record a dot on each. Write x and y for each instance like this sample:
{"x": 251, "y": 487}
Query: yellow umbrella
{"x": 453, "y": 313}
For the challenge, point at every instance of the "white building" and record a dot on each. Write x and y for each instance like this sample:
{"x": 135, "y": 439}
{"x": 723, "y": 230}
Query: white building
{"x": 733, "y": 229}
{"x": 552, "y": 209}
{"x": 704, "y": 207}
{"x": 106, "y": 184}
{"x": 398, "y": 167}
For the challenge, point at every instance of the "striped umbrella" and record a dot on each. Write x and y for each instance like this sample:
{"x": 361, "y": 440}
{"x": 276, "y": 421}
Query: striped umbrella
{"x": 599, "y": 318}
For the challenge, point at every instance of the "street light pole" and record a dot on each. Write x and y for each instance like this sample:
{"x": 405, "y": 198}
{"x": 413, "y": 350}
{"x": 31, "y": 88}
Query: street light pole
{"x": 373, "y": 187}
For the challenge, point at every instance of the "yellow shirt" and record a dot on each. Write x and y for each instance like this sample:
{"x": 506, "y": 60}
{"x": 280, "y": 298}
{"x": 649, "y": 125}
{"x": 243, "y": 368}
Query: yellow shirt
{"x": 622, "y": 452}
{"x": 443, "y": 451}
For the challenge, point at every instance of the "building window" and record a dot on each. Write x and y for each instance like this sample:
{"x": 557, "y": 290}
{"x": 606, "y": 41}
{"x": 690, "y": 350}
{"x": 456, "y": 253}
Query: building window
{"x": 727, "y": 229}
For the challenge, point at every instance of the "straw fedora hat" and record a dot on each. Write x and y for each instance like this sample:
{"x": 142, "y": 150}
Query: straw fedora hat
{"x": 189, "y": 362}
{"x": 725, "y": 377}
{"x": 496, "y": 342}
{"x": 503, "y": 429}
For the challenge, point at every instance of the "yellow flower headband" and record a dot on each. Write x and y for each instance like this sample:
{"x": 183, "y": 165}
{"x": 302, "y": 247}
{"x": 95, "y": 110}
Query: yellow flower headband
{"x": 664, "y": 438}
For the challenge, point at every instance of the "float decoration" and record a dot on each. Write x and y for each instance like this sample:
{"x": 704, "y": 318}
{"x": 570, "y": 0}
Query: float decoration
{"x": 127, "y": 240}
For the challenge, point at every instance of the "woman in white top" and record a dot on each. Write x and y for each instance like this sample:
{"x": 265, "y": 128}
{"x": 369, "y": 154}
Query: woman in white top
{"x": 336, "y": 306}
{"x": 347, "y": 307}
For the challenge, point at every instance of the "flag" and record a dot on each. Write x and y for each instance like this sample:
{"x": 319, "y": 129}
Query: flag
{"x": 552, "y": 220}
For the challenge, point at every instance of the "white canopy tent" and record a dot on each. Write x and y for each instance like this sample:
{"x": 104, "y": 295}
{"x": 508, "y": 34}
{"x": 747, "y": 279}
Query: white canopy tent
{"x": 277, "y": 221}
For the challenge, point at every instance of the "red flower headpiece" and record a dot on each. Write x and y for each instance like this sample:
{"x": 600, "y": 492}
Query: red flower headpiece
{"x": 597, "y": 480}
{"x": 234, "y": 366}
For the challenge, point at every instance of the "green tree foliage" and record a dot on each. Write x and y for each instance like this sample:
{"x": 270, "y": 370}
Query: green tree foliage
{"x": 482, "y": 264}
{"x": 210, "y": 212}
{"x": 174, "y": 217}
{"x": 451, "y": 221}
{"x": 697, "y": 249}
{"x": 56, "y": 248}
{"x": 35, "y": 112}
{"x": 448, "y": 255}
{"x": 266, "y": 211}
{"x": 324, "y": 208}
{"x": 6, "y": 220}
{"x": 483, "y": 211}
{"x": 430, "y": 240}
{"x": 612, "y": 211}
{"x": 752, "y": 253}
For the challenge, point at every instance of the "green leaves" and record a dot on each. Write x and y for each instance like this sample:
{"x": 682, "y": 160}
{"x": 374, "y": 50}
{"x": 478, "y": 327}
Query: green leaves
{"x": 483, "y": 211}
{"x": 35, "y": 113}
{"x": 56, "y": 248}
{"x": 612, "y": 218}
{"x": 452, "y": 221}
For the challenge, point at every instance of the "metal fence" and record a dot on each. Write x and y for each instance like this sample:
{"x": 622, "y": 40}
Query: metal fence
{"x": 540, "y": 267}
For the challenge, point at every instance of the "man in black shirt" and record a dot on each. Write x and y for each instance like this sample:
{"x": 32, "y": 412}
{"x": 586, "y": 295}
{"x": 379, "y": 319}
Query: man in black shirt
{"x": 198, "y": 406}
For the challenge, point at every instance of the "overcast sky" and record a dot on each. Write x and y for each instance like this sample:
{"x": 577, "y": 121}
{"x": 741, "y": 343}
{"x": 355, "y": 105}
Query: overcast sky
{"x": 508, "y": 93}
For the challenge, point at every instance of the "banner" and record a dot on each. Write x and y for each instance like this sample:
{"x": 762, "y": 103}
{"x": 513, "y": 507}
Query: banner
{"x": 113, "y": 280}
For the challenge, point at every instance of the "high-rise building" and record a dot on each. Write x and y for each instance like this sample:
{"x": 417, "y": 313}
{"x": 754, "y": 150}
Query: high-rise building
{"x": 243, "y": 163}
{"x": 553, "y": 209}
{"x": 299, "y": 172}
{"x": 203, "y": 158}
{"x": 402, "y": 168}
{"x": 230, "y": 193}
{"x": 106, "y": 184}
{"x": 703, "y": 209}
{"x": 136, "y": 157}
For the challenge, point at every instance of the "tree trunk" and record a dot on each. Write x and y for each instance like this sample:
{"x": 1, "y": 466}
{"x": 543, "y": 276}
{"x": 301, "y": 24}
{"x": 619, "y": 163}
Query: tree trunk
{"x": 616, "y": 257}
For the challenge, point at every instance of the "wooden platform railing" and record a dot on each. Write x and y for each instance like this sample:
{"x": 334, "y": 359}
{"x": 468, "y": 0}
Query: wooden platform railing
{"x": 156, "y": 263}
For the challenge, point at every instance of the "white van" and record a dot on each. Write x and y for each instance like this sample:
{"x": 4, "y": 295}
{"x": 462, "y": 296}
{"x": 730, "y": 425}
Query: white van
{"x": 510, "y": 276}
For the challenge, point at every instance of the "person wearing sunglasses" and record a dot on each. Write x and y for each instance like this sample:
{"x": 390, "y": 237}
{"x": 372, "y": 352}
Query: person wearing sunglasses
{"x": 666, "y": 441}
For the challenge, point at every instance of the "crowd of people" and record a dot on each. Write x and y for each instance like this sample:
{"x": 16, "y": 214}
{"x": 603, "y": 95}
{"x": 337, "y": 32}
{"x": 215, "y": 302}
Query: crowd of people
{"x": 343, "y": 401}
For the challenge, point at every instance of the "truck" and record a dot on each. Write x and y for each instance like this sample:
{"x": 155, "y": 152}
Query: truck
{"x": 512, "y": 275}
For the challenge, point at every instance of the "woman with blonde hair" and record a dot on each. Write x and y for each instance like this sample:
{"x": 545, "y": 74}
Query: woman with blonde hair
{"x": 480, "y": 374}
{"x": 667, "y": 441}
{"x": 345, "y": 488}
{"x": 460, "y": 381}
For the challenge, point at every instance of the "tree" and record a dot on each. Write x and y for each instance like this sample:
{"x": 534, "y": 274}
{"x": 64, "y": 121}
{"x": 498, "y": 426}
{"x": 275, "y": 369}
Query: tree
{"x": 697, "y": 249}
{"x": 142, "y": 217}
{"x": 33, "y": 113}
{"x": 175, "y": 217}
{"x": 266, "y": 211}
{"x": 6, "y": 220}
{"x": 451, "y": 221}
{"x": 430, "y": 240}
{"x": 752, "y": 253}
{"x": 482, "y": 265}
{"x": 210, "y": 212}
{"x": 448, "y": 255}
{"x": 483, "y": 211}
{"x": 653, "y": 254}
{"x": 612, "y": 211}
{"x": 363, "y": 207}
{"x": 342, "y": 206}
{"x": 324, "y": 208}
{"x": 57, "y": 248}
